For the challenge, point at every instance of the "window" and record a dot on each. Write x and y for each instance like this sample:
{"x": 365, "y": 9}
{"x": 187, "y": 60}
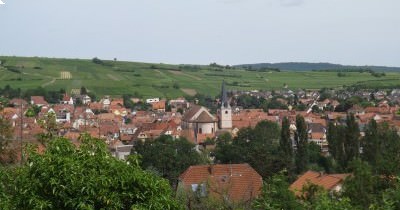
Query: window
{"x": 194, "y": 187}
{"x": 200, "y": 130}
{"x": 226, "y": 112}
{"x": 199, "y": 189}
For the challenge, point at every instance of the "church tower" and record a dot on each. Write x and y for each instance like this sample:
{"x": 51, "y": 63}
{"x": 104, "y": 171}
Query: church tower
{"x": 225, "y": 113}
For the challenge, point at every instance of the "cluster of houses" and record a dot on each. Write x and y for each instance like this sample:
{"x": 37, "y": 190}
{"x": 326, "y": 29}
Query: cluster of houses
{"x": 121, "y": 128}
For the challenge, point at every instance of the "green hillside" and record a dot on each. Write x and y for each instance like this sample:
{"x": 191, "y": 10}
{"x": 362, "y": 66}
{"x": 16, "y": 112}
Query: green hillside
{"x": 162, "y": 80}
{"x": 303, "y": 66}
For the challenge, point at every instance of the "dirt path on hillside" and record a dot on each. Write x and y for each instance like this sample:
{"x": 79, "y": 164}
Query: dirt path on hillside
{"x": 50, "y": 82}
{"x": 190, "y": 92}
{"x": 113, "y": 77}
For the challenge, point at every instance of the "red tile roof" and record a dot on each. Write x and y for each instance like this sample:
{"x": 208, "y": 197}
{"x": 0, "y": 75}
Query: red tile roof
{"x": 38, "y": 100}
{"x": 158, "y": 105}
{"x": 327, "y": 181}
{"x": 238, "y": 182}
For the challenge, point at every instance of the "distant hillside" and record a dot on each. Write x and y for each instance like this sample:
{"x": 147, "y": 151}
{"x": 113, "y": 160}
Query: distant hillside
{"x": 115, "y": 78}
{"x": 302, "y": 66}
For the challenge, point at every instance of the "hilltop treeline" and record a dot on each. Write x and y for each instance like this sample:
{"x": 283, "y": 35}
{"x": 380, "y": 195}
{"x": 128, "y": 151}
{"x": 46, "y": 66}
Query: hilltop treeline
{"x": 342, "y": 72}
{"x": 51, "y": 96}
{"x": 304, "y": 66}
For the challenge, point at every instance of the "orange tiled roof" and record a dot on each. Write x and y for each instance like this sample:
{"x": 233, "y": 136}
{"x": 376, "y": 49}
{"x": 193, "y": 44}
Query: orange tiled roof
{"x": 317, "y": 136}
{"x": 327, "y": 181}
{"x": 38, "y": 100}
{"x": 239, "y": 182}
{"x": 158, "y": 105}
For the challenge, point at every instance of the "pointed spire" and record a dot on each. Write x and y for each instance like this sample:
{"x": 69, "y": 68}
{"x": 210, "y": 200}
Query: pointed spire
{"x": 224, "y": 96}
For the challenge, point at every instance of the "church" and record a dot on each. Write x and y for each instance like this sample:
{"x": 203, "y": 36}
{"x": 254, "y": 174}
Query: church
{"x": 225, "y": 111}
{"x": 199, "y": 124}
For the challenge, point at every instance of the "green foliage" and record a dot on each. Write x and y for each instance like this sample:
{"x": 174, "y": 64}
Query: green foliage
{"x": 250, "y": 102}
{"x": 9, "y": 92}
{"x": 128, "y": 103}
{"x": 176, "y": 86}
{"x": 167, "y": 156}
{"x": 276, "y": 195}
{"x": 360, "y": 187}
{"x": 352, "y": 140}
{"x": 317, "y": 161}
{"x": 371, "y": 144}
{"x": 88, "y": 177}
{"x": 33, "y": 111}
{"x": 285, "y": 146}
{"x": 6, "y": 132}
{"x": 49, "y": 125}
{"x": 199, "y": 201}
{"x": 118, "y": 77}
{"x": 381, "y": 146}
{"x": 324, "y": 201}
{"x": 335, "y": 138}
{"x": 97, "y": 61}
{"x": 301, "y": 107}
{"x": 344, "y": 141}
{"x": 50, "y": 96}
{"x": 301, "y": 140}
{"x": 83, "y": 91}
{"x": 390, "y": 197}
{"x": 258, "y": 147}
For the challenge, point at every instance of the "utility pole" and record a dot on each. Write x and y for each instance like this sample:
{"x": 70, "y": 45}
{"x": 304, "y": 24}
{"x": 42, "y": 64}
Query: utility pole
{"x": 21, "y": 129}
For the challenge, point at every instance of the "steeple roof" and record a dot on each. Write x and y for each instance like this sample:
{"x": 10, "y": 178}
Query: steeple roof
{"x": 224, "y": 96}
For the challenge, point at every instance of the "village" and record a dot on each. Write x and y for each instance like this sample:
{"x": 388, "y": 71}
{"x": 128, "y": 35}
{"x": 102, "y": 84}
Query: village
{"x": 122, "y": 128}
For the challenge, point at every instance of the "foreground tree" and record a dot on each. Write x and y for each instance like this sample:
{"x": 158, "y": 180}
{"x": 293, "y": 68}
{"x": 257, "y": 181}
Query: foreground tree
{"x": 168, "y": 157}
{"x": 286, "y": 147}
{"x": 361, "y": 186}
{"x": 88, "y": 177}
{"x": 257, "y": 146}
{"x": 276, "y": 195}
{"x": 352, "y": 142}
{"x": 301, "y": 140}
{"x": 381, "y": 145}
{"x": 6, "y": 132}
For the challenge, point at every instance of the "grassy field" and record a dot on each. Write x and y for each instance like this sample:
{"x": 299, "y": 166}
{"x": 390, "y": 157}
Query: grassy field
{"x": 162, "y": 80}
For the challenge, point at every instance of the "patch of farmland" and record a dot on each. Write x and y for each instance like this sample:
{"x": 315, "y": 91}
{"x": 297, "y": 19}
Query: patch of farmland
{"x": 75, "y": 91}
{"x": 65, "y": 75}
{"x": 190, "y": 92}
{"x": 113, "y": 77}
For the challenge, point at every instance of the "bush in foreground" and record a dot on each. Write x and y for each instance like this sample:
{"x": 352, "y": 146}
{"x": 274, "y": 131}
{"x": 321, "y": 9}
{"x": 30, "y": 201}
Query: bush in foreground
{"x": 67, "y": 177}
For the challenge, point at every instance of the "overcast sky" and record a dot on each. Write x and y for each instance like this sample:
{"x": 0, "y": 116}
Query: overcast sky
{"x": 359, "y": 32}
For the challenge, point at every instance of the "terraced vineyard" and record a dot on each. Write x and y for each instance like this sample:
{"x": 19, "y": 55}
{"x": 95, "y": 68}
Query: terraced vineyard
{"x": 163, "y": 80}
